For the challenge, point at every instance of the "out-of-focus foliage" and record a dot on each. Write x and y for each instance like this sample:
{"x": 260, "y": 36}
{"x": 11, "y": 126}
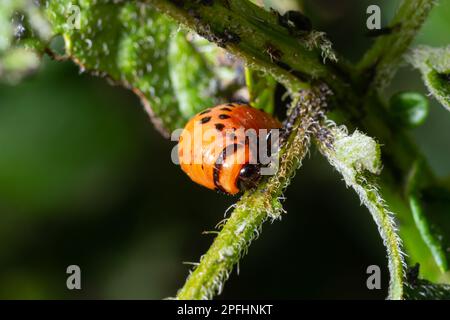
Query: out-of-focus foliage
{"x": 261, "y": 89}
{"x": 436, "y": 203}
{"x": 49, "y": 164}
{"x": 434, "y": 64}
{"x": 191, "y": 78}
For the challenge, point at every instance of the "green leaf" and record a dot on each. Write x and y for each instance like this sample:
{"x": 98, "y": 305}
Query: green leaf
{"x": 430, "y": 206}
{"x": 137, "y": 47}
{"x": 17, "y": 63}
{"x": 434, "y": 64}
{"x": 191, "y": 78}
{"x": 421, "y": 289}
{"x": 261, "y": 89}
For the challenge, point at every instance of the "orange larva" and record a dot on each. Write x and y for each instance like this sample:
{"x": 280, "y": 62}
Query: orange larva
{"x": 211, "y": 159}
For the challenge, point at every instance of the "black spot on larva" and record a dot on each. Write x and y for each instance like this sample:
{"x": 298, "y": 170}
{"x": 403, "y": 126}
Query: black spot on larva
{"x": 231, "y": 105}
{"x": 216, "y": 177}
{"x": 232, "y": 148}
{"x": 228, "y": 150}
{"x": 219, "y": 126}
{"x": 226, "y": 109}
{"x": 205, "y": 112}
{"x": 205, "y": 120}
{"x": 224, "y": 116}
{"x": 231, "y": 135}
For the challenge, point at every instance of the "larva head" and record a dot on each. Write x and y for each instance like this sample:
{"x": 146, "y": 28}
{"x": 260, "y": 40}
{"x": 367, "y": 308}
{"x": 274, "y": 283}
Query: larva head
{"x": 249, "y": 176}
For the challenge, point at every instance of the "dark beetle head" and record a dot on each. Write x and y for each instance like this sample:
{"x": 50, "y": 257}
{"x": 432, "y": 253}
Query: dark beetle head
{"x": 249, "y": 176}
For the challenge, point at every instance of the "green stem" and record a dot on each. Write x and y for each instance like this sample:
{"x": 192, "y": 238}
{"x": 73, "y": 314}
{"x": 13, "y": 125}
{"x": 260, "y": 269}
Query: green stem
{"x": 380, "y": 63}
{"x": 265, "y": 45}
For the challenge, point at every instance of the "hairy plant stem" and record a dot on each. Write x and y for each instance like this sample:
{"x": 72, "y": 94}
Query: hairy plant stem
{"x": 357, "y": 168}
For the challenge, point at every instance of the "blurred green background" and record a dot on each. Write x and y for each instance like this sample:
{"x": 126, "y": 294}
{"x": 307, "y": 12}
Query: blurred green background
{"x": 85, "y": 179}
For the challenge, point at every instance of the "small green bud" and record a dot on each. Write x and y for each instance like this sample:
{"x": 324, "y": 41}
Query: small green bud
{"x": 410, "y": 109}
